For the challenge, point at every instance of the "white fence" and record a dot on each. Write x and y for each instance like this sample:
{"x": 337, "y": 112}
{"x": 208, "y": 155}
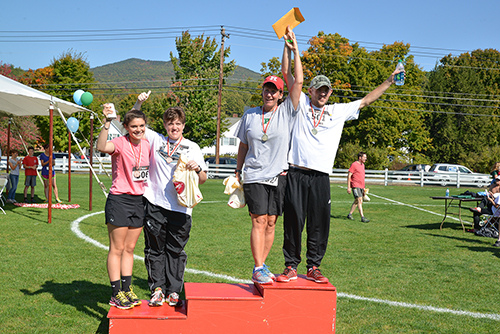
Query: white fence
{"x": 383, "y": 177}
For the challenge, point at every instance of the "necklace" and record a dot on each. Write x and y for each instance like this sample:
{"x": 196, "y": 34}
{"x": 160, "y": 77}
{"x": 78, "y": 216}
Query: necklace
{"x": 169, "y": 158}
{"x": 314, "y": 131}
{"x": 264, "y": 137}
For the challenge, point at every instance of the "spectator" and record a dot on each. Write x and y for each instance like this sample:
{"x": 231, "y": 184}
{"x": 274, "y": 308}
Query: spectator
{"x": 356, "y": 185}
{"x": 14, "y": 165}
{"x": 30, "y": 164}
{"x": 44, "y": 159}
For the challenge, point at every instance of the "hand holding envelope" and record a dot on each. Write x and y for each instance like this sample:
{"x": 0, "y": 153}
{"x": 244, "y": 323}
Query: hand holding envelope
{"x": 293, "y": 18}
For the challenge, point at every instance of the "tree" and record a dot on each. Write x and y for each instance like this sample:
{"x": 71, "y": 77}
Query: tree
{"x": 24, "y": 127}
{"x": 466, "y": 89}
{"x": 62, "y": 78}
{"x": 195, "y": 85}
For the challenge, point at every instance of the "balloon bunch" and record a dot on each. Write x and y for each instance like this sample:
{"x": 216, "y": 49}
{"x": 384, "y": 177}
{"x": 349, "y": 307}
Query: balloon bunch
{"x": 82, "y": 98}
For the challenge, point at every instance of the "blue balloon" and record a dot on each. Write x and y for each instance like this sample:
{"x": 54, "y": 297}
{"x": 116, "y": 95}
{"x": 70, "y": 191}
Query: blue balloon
{"x": 73, "y": 124}
{"x": 77, "y": 96}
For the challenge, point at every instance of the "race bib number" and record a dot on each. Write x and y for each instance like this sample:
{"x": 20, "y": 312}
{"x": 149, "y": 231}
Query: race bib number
{"x": 140, "y": 174}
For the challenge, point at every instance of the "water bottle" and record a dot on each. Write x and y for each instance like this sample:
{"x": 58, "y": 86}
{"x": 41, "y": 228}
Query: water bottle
{"x": 399, "y": 78}
{"x": 447, "y": 192}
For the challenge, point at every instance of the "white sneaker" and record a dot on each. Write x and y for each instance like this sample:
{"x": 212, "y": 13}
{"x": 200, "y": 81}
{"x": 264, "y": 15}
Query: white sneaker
{"x": 173, "y": 299}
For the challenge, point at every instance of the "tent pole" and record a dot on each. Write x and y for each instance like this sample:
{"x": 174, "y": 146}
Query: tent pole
{"x": 69, "y": 166}
{"x": 8, "y": 145}
{"x": 91, "y": 156}
{"x": 51, "y": 143}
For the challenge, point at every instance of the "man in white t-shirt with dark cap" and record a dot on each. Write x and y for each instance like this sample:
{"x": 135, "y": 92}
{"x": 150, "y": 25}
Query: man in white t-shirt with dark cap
{"x": 315, "y": 139}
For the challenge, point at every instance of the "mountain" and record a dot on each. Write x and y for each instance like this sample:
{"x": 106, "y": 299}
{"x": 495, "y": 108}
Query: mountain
{"x": 135, "y": 69}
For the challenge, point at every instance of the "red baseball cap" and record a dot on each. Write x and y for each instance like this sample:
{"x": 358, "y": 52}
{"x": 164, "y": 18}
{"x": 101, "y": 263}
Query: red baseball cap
{"x": 274, "y": 80}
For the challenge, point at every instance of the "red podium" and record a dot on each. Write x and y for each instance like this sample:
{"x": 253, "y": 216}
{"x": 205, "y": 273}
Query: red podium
{"x": 240, "y": 308}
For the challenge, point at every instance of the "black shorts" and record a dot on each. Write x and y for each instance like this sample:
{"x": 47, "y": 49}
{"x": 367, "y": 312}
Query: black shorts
{"x": 263, "y": 199}
{"x": 124, "y": 210}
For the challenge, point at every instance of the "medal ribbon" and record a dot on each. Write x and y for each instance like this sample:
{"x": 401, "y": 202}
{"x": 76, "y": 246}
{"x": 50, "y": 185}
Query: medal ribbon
{"x": 175, "y": 148}
{"x": 264, "y": 129}
{"x": 320, "y": 116}
{"x": 137, "y": 162}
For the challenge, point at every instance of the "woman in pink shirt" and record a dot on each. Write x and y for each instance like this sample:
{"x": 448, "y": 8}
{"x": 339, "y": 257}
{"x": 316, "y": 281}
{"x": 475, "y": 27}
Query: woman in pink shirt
{"x": 124, "y": 207}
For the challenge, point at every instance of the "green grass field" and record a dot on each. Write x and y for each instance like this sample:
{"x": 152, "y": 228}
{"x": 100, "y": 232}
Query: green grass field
{"x": 397, "y": 274}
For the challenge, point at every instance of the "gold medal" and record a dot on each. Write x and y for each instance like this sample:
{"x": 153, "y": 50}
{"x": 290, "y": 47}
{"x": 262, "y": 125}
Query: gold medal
{"x": 264, "y": 137}
{"x": 169, "y": 160}
{"x": 314, "y": 131}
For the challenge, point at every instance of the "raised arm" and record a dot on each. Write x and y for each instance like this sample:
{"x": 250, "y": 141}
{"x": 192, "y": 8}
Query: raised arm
{"x": 294, "y": 85}
{"x": 140, "y": 99}
{"x": 103, "y": 145}
{"x": 377, "y": 92}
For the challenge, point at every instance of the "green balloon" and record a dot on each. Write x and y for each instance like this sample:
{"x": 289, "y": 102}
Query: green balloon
{"x": 86, "y": 98}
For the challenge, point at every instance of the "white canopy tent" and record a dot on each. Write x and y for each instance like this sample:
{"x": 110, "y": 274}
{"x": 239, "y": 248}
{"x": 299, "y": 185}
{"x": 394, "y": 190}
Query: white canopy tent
{"x": 17, "y": 99}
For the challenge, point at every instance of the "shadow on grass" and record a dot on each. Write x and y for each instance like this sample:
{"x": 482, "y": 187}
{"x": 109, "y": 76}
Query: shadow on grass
{"x": 431, "y": 226}
{"x": 82, "y": 295}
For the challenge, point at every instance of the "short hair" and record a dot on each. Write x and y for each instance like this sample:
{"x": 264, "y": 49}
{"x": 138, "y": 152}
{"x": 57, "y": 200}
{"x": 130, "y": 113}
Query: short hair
{"x": 173, "y": 113}
{"x": 14, "y": 151}
{"x": 360, "y": 154}
{"x": 46, "y": 146}
{"x": 133, "y": 114}
{"x": 31, "y": 148}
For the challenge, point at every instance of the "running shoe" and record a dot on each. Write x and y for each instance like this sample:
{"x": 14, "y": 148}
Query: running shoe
{"x": 132, "y": 297}
{"x": 365, "y": 220}
{"x": 314, "y": 274}
{"x": 121, "y": 301}
{"x": 289, "y": 274}
{"x": 58, "y": 200}
{"x": 260, "y": 277}
{"x": 349, "y": 216}
{"x": 173, "y": 299}
{"x": 157, "y": 298}
{"x": 269, "y": 273}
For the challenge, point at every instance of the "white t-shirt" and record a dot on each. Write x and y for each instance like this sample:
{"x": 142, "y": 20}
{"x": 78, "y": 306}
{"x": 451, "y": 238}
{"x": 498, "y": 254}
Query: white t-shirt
{"x": 496, "y": 211}
{"x": 266, "y": 159}
{"x": 317, "y": 151}
{"x": 160, "y": 189}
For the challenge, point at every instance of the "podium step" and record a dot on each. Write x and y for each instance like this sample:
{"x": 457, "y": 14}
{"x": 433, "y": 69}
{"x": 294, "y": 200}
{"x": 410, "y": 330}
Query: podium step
{"x": 241, "y": 308}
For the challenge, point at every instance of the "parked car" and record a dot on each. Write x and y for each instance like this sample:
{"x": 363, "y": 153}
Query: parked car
{"x": 222, "y": 161}
{"x": 447, "y": 173}
{"x": 411, "y": 171}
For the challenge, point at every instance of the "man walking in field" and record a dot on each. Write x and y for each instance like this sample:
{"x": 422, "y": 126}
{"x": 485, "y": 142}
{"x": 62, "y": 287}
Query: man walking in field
{"x": 356, "y": 185}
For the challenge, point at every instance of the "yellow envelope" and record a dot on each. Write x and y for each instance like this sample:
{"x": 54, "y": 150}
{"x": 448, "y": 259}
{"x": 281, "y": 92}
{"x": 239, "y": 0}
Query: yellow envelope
{"x": 293, "y": 18}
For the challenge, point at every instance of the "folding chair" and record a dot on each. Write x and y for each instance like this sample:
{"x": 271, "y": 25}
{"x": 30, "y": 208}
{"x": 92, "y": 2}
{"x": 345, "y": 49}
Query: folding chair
{"x": 490, "y": 221}
{"x": 3, "y": 184}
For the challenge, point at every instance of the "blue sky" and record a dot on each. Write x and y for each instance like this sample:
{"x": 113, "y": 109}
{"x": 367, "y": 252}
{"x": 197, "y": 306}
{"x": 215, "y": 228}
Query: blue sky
{"x": 433, "y": 28}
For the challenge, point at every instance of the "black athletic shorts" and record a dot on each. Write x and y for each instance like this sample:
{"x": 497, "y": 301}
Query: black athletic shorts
{"x": 263, "y": 199}
{"x": 124, "y": 210}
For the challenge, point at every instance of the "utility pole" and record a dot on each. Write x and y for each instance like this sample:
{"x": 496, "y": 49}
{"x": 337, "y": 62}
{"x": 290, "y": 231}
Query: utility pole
{"x": 219, "y": 102}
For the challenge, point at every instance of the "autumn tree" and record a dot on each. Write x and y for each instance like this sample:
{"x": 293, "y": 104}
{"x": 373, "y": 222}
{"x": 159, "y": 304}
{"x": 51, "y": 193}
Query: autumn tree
{"x": 61, "y": 79}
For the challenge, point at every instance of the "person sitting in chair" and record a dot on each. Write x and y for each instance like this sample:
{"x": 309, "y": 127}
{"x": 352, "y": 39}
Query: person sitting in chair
{"x": 485, "y": 207}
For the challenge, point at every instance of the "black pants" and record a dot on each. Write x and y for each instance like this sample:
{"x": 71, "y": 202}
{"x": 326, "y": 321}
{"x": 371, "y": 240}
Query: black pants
{"x": 166, "y": 233}
{"x": 485, "y": 206}
{"x": 307, "y": 196}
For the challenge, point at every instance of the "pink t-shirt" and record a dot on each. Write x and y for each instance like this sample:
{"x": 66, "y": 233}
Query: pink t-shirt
{"x": 125, "y": 157}
{"x": 358, "y": 175}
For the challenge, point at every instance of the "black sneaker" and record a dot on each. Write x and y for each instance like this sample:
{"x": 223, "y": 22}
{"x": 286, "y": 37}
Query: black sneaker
{"x": 349, "y": 216}
{"x": 497, "y": 244}
{"x": 365, "y": 220}
{"x": 132, "y": 297}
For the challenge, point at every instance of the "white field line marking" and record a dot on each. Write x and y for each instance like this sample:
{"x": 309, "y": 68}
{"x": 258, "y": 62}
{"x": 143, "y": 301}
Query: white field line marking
{"x": 76, "y": 229}
{"x": 413, "y": 206}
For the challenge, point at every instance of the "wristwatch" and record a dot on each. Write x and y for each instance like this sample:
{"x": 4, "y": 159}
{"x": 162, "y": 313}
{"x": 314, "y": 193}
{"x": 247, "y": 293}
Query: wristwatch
{"x": 199, "y": 170}
{"x": 237, "y": 171}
